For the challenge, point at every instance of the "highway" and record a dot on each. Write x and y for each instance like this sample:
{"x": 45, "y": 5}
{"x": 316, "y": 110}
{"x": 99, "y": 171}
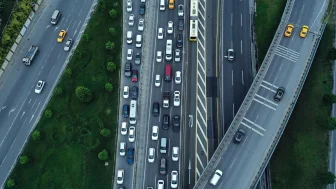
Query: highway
{"x": 20, "y": 107}
{"x": 263, "y": 115}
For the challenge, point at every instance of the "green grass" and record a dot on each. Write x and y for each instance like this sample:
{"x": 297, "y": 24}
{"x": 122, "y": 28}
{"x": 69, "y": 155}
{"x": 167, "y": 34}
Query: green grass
{"x": 8, "y": 6}
{"x": 66, "y": 155}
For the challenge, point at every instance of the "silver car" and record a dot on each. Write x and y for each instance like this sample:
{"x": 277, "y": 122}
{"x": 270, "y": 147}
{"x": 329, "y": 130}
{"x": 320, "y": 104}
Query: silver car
{"x": 180, "y": 11}
{"x": 131, "y": 20}
{"x": 141, "y": 24}
{"x": 68, "y": 45}
{"x": 129, "y": 6}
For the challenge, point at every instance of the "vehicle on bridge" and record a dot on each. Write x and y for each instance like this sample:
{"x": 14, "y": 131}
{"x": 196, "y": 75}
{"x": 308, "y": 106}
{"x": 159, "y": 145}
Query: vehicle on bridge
{"x": 289, "y": 30}
{"x": 32, "y": 51}
{"x": 165, "y": 99}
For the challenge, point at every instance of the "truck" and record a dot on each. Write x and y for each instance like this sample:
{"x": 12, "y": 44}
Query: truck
{"x": 165, "y": 99}
{"x": 32, "y": 51}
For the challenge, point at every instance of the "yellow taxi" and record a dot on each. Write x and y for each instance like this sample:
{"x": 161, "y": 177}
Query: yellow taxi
{"x": 171, "y": 4}
{"x": 289, "y": 30}
{"x": 304, "y": 31}
{"x": 61, "y": 36}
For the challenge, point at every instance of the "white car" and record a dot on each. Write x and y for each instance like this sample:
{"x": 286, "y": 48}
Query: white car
{"x": 129, "y": 6}
{"x": 175, "y": 155}
{"x": 160, "y": 33}
{"x": 131, "y": 134}
{"x": 123, "y": 129}
{"x": 122, "y": 149}
{"x": 39, "y": 86}
{"x": 155, "y": 132}
{"x": 177, "y": 98}
{"x": 120, "y": 176}
{"x": 126, "y": 92}
{"x": 178, "y": 77}
{"x": 174, "y": 176}
{"x": 68, "y": 45}
{"x": 159, "y": 56}
{"x": 141, "y": 24}
{"x": 129, "y": 54}
{"x": 157, "y": 80}
{"x": 151, "y": 155}
{"x": 160, "y": 184}
{"x": 170, "y": 28}
{"x": 180, "y": 10}
{"x": 177, "y": 55}
{"x": 131, "y": 20}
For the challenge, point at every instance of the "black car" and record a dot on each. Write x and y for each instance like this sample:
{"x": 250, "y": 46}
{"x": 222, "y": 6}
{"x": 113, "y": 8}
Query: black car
{"x": 156, "y": 109}
{"x": 130, "y": 156}
{"x": 125, "y": 110}
{"x": 179, "y": 41}
{"x": 128, "y": 69}
{"x": 134, "y": 92}
{"x": 181, "y": 24}
{"x": 176, "y": 123}
{"x": 142, "y": 9}
{"x": 165, "y": 122}
{"x": 138, "y": 58}
{"x": 279, "y": 94}
{"x": 239, "y": 136}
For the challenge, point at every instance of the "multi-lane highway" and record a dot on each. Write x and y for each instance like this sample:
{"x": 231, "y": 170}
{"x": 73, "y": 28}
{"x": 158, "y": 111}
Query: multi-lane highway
{"x": 20, "y": 107}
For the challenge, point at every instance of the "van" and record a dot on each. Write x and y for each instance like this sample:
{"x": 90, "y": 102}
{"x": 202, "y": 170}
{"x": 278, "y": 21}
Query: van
{"x": 133, "y": 111}
{"x": 162, "y": 5}
{"x": 163, "y": 146}
{"x": 138, "y": 41}
{"x": 55, "y": 17}
{"x": 216, "y": 176}
{"x": 122, "y": 148}
{"x": 168, "y": 72}
{"x": 169, "y": 45}
{"x": 129, "y": 37}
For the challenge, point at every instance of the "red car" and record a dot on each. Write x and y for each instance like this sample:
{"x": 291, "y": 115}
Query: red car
{"x": 134, "y": 75}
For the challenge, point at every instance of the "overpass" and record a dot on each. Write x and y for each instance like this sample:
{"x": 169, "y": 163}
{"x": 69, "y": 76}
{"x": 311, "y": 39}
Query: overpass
{"x": 286, "y": 64}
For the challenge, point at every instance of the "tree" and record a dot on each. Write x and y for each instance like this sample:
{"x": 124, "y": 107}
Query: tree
{"x": 48, "y": 113}
{"x": 58, "y": 91}
{"x": 327, "y": 178}
{"x": 112, "y": 31}
{"x": 113, "y": 13}
{"x": 102, "y": 5}
{"x": 85, "y": 37}
{"x": 108, "y": 87}
{"x": 10, "y": 183}
{"x": 68, "y": 71}
{"x": 103, "y": 155}
{"x": 331, "y": 54}
{"x": 23, "y": 160}
{"x": 329, "y": 123}
{"x": 36, "y": 135}
{"x": 329, "y": 98}
{"x": 83, "y": 94}
{"x": 105, "y": 132}
{"x": 111, "y": 66}
{"x": 110, "y": 45}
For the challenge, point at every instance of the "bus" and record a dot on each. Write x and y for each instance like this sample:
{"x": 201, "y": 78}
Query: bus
{"x": 193, "y": 20}
{"x": 193, "y": 9}
{"x": 193, "y": 30}
{"x": 133, "y": 111}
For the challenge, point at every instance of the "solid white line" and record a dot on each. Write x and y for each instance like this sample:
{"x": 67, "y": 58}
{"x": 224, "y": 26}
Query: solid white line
{"x": 201, "y": 54}
{"x": 254, "y": 124}
{"x": 198, "y": 173}
{"x": 204, "y": 122}
{"x": 200, "y": 89}
{"x": 201, "y": 103}
{"x": 264, "y": 104}
{"x": 242, "y": 77}
{"x": 267, "y": 88}
{"x": 200, "y": 142}
{"x": 275, "y": 104}
{"x": 232, "y": 164}
{"x": 199, "y": 160}
{"x": 232, "y": 77}
{"x": 233, "y": 110}
{"x": 241, "y": 46}
{"x": 241, "y": 20}
{"x": 231, "y": 19}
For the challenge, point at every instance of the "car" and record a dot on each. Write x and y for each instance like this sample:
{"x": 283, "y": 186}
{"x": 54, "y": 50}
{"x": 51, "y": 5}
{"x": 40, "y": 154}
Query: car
{"x": 68, "y": 45}
{"x": 130, "y": 156}
{"x": 230, "y": 55}
{"x": 155, "y": 132}
{"x": 181, "y": 24}
{"x": 304, "y": 31}
{"x": 170, "y": 28}
{"x": 138, "y": 58}
{"x": 142, "y": 9}
{"x": 279, "y": 94}
{"x": 177, "y": 55}
{"x": 123, "y": 128}
{"x": 134, "y": 92}
{"x": 178, "y": 77}
{"x": 289, "y": 30}
{"x": 179, "y": 41}
{"x": 126, "y": 92}
{"x": 120, "y": 176}
{"x": 177, "y": 98}
{"x": 160, "y": 33}
{"x": 163, "y": 166}
{"x": 180, "y": 10}
{"x": 131, "y": 20}
{"x": 165, "y": 122}
{"x": 176, "y": 123}
{"x": 61, "y": 36}
{"x": 160, "y": 184}
{"x": 216, "y": 177}
{"x": 157, "y": 81}
{"x": 141, "y": 24}
{"x": 129, "y": 6}
{"x": 175, "y": 155}
{"x": 156, "y": 109}
{"x": 125, "y": 111}
{"x": 151, "y": 155}
{"x": 122, "y": 148}
{"x": 129, "y": 54}
{"x": 39, "y": 86}
{"x": 134, "y": 76}
{"x": 171, "y": 4}
{"x": 174, "y": 176}
{"x": 128, "y": 69}
{"x": 239, "y": 136}
{"x": 159, "y": 56}
{"x": 131, "y": 134}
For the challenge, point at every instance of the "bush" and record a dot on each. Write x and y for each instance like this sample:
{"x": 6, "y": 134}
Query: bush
{"x": 105, "y": 132}
{"x": 83, "y": 94}
{"x": 328, "y": 123}
{"x": 78, "y": 54}
{"x": 103, "y": 155}
{"x": 36, "y": 135}
{"x": 112, "y": 31}
{"x": 327, "y": 178}
{"x": 23, "y": 160}
{"x": 331, "y": 54}
{"x": 113, "y": 14}
{"x": 111, "y": 66}
{"x": 48, "y": 113}
{"x": 109, "y": 87}
{"x": 10, "y": 183}
{"x": 85, "y": 37}
{"x": 329, "y": 98}
{"x": 110, "y": 45}
{"x": 68, "y": 71}
{"x": 58, "y": 91}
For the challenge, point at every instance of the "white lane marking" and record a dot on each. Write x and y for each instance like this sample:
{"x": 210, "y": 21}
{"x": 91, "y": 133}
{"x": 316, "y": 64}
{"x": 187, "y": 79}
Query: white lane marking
{"x": 241, "y": 46}
{"x": 231, "y": 19}
{"x": 232, "y": 163}
{"x": 275, "y": 104}
{"x": 12, "y": 110}
{"x": 34, "y": 104}
{"x": 204, "y": 150}
{"x": 233, "y": 110}
{"x": 252, "y": 129}
{"x": 241, "y": 19}
{"x": 200, "y": 161}
{"x": 264, "y": 104}
{"x": 232, "y": 77}
{"x": 261, "y": 128}
{"x": 23, "y": 113}
{"x": 242, "y": 77}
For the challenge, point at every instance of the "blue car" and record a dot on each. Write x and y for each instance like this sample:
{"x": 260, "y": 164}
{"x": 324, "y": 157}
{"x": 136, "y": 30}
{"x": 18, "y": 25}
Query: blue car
{"x": 130, "y": 156}
{"x": 142, "y": 8}
{"x": 125, "y": 110}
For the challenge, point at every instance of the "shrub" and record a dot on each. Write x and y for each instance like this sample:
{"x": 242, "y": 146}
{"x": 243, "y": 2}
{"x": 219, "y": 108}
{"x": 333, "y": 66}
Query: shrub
{"x": 108, "y": 87}
{"x": 58, "y": 91}
{"x": 327, "y": 178}
{"x": 105, "y": 132}
{"x": 110, "y": 45}
{"x": 112, "y": 31}
{"x": 23, "y": 160}
{"x": 85, "y": 37}
{"x": 111, "y": 66}
{"x": 10, "y": 183}
{"x": 68, "y": 71}
{"x": 36, "y": 135}
{"x": 48, "y": 113}
{"x": 329, "y": 98}
{"x": 103, "y": 155}
{"x": 113, "y": 14}
{"x": 83, "y": 94}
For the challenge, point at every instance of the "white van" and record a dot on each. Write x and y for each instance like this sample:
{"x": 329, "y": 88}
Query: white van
{"x": 129, "y": 37}
{"x": 163, "y": 146}
{"x": 169, "y": 46}
{"x": 160, "y": 184}
{"x": 138, "y": 41}
{"x": 133, "y": 111}
{"x": 55, "y": 17}
{"x": 162, "y": 5}
{"x": 216, "y": 176}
